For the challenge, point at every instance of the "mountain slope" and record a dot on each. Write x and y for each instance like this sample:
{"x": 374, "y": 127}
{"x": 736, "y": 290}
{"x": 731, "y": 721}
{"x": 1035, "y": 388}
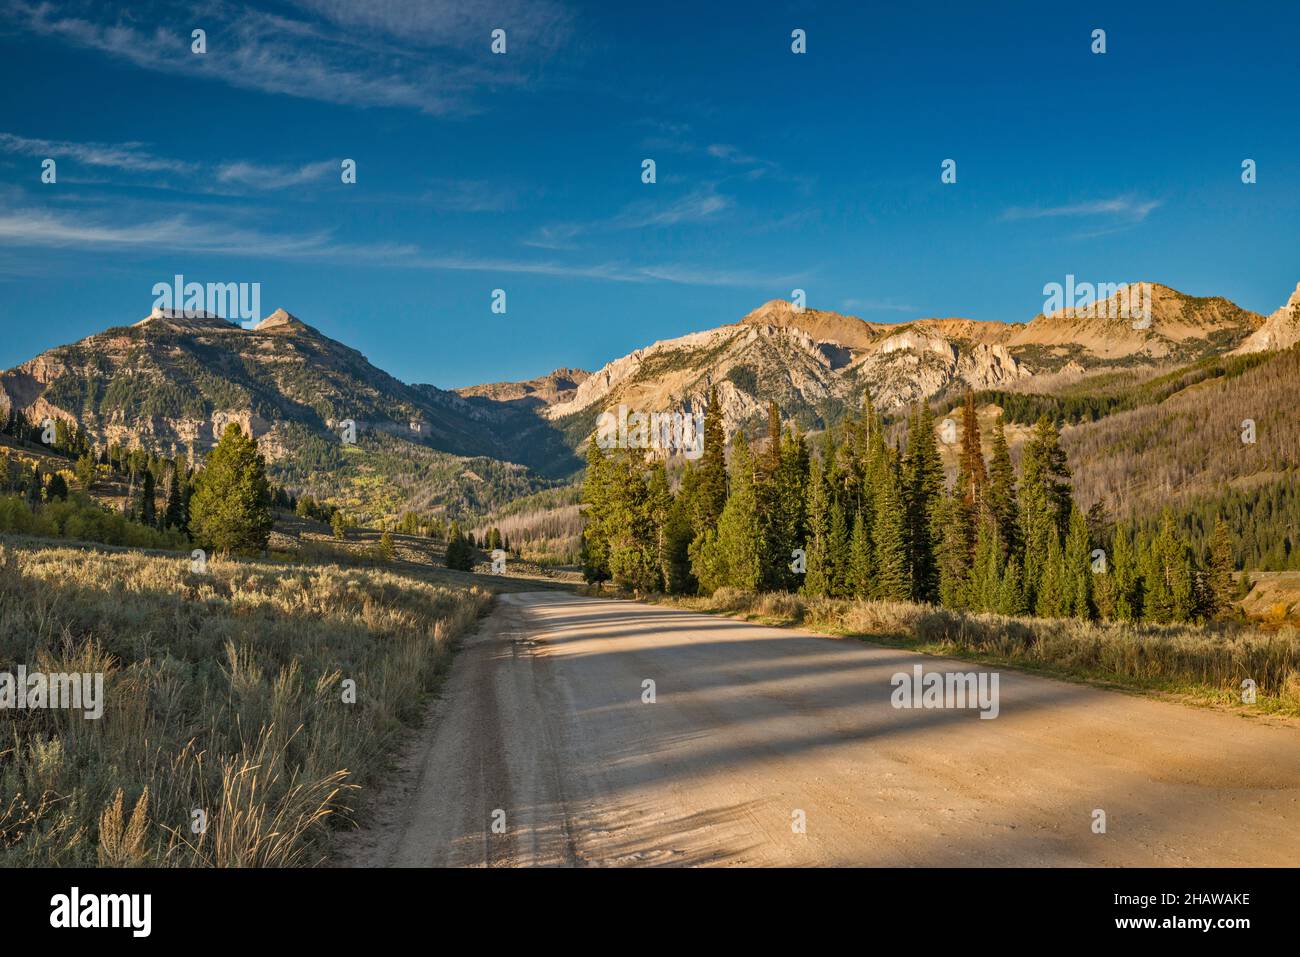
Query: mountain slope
{"x": 815, "y": 363}
{"x": 170, "y": 383}
{"x": 1279, "y": 330}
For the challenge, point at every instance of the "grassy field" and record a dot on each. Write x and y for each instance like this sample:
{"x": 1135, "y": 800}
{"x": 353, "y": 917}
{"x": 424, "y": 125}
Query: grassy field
{"x": 226, "y": 702}
{"x": 1205, "y": 664}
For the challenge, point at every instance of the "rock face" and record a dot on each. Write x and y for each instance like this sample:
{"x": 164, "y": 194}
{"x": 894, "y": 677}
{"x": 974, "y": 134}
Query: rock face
{"x": 171, "y": 382}
{"x": 809, "y": 360}
{"x": 1279, "y": 331}
{"x": 557, "y": 386}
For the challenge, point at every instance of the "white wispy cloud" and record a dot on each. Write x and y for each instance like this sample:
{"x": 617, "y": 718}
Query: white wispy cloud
{"x": 133, "y": 157}
{"x": 41, "y": 227}
{"x": 137, "y": 158}
{"x": 263, "y": 176}
{"x": 373, "y": 54}
{"x": 36, "y": 228}
{"x": 695, "y": 207}
{"x": 1128, "y": 208}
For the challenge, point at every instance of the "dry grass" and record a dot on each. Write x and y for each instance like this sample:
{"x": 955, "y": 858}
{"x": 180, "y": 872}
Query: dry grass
{"x": 224, "y": 694}
{"x": 1204, "y": 662}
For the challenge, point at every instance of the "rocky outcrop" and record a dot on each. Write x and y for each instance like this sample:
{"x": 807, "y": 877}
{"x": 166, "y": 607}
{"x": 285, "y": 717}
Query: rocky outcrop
{"x": 1279, "y": 331}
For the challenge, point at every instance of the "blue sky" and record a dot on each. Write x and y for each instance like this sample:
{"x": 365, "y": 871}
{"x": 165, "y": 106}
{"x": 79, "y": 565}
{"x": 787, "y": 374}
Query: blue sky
{"x": 522, "y": 171}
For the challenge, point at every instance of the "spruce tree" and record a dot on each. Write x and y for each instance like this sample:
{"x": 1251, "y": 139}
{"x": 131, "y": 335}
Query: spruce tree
{"x": 1220, "y": 584}
{"x": 1078, "y": 569}
{"x": 597, "y": 493}
{"x": 632, "y": 540}
{"x": 739, "y": 544}
{"x": 1045, "y": 503}
{"x": 987, "y": 569}
{"x": 922, "y": 492}
{"x": 1124, "y": 583}
{"x": 955, "y": 550}
{"x": 837, "y": 548}
{"x": 1051, "y": 598}
{"x": 710, "y": 492}
{"x": 1000, "y": 498}
{"x": 1011, "y": 593}
{"x": 972, "y": 476}
{"x": 817, "y": 580}
{"x": 889, "y": 541}
{"x": 861, "y": 577}
{"x": 230, "y": 510}
{"x": 173, "y": 517}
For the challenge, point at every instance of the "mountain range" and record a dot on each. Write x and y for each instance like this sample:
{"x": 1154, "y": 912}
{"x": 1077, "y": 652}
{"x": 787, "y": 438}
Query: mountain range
{"x": 171, "y": 382}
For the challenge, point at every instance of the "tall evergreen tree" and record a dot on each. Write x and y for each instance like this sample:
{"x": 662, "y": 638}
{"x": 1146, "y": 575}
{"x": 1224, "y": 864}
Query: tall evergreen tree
{"x": 734, "y": 557}
{"x": 889, "y": 541}
{"x": 861, "y": 577}
{"x": 1220, "y": 585}
{"x": 1000, "y": 498}
{"x": 1078, "y": 568}
{"x": 146, "y": 508}
{"x": 956, "y": 548}
{"x": 972, "y": 476}
{"x": 710, "y": 491}
{"x": 630, "y": 532}
{"x": 1045, "y": 503}
{"x": 597, "y": 496}
{"x": 230, "y": 510}
{"x": 817, "y": 579}
{"x": 922, "y": 492}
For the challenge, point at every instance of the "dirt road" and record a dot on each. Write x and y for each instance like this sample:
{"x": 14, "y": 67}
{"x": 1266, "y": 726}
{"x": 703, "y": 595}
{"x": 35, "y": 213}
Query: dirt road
{"x": 770, "y": 747}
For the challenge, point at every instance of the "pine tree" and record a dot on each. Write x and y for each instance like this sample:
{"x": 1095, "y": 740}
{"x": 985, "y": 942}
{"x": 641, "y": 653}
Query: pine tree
{"x": 173, "y": 517}
{"x": 710, "y": 493}
{"x": 1011, "y": 594}
{"x": 387, "y": 550}
{"x": 1124, "y": 576}
{"x": 987, "y": 570}
{"x": 1220, "y": 585}
{"x": 861, "y": 578}
{"x": 85, "y": 471}
{"x": 677, "y": 535}
{"x": 230, "y": 510}
{"x": 955, "y": 550}
{"x": 737, "y": 557}
{"x": 57, "y": 488}
{"x": 1051, "y": 598}
{"x": 337, "y": 525}
{"x": 817, "y": 578}
{"x": 837, "y": 550}
{"x": 597, "y": 494}
{"x": 972, "y": 476}
{"x": 789, "y": 523}
{"x": 889, "y": 540}
{"x": 1000, "y": 498}
{"x": 460, "y": 551}
{"x": 1045, "y": 502}
{"x": 633, "y": 542}
{"x": 1078, "y": 569}
{"x": 146, "y": 508}
{"x": 922, "y": 492}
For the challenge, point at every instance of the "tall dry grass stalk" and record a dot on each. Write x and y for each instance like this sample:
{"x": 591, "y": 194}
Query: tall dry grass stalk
{"x": 224, "y": 693}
